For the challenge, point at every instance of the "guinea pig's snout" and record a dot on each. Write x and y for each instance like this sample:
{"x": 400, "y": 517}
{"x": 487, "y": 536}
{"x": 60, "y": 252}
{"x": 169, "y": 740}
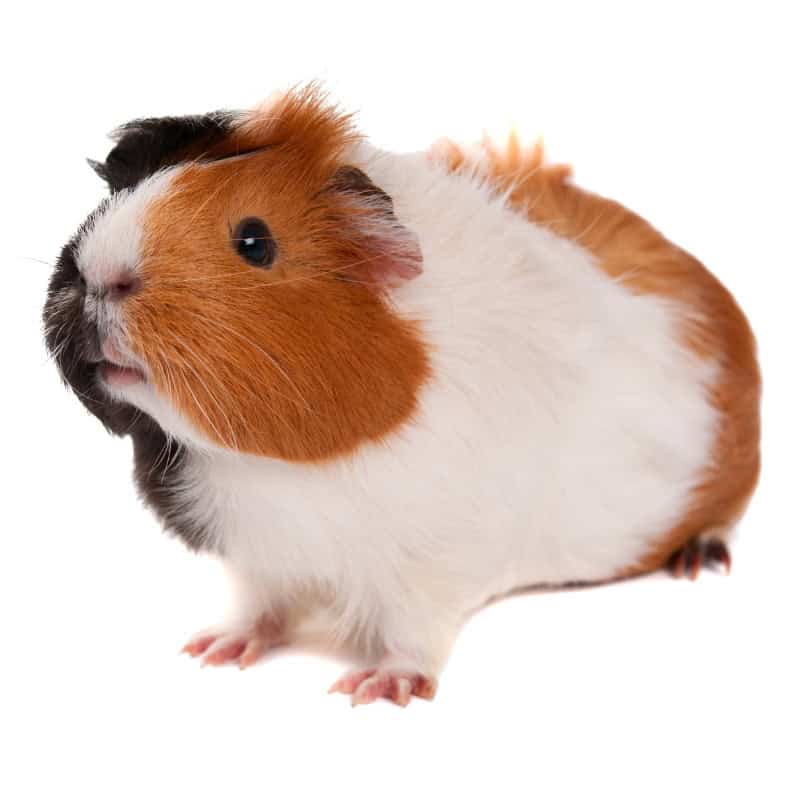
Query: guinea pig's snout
{"x": 122, "y": 285}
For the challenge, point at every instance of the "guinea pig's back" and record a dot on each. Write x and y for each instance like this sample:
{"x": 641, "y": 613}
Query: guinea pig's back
{"x": 631, "y": 251}
{"x": 636, "y": 391}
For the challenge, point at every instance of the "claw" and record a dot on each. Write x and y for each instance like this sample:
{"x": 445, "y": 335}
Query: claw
{"x": 198, "y": 646}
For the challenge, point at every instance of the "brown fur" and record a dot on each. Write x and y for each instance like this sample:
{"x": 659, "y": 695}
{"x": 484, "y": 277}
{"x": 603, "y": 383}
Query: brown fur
{"x": 291, "y": 362}
{"x": 629, "y": 250}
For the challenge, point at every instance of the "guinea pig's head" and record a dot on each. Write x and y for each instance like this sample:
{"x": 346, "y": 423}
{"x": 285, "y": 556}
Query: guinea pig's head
{"x": 236, "y": 286}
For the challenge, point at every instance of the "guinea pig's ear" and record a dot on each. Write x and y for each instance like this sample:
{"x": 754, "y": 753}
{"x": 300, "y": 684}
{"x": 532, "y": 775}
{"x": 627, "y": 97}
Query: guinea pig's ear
{"x": 384, "y": 252}
{"x": 143, "y": 146}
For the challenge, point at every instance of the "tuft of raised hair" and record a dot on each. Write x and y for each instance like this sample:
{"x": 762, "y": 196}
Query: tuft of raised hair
{"x": 302, "y": 122}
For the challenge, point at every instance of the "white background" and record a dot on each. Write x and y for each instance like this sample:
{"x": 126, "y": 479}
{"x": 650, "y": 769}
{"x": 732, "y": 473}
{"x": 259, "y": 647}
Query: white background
{"x": 645, "y": 689}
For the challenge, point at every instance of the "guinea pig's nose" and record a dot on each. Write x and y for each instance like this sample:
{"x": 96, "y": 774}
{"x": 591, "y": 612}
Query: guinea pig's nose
{"x": 122, "y": 286}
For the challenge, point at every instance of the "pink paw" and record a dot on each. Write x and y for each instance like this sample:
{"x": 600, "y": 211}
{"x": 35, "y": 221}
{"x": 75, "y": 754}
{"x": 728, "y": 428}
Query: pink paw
{"x": 399, "y": 686}
{"x": 244, "y": 645}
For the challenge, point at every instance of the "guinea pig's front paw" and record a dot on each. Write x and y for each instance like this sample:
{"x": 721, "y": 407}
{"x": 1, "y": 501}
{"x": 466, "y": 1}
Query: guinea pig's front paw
{"x": 397, "y": 685}
{"x": 244, "y": 643}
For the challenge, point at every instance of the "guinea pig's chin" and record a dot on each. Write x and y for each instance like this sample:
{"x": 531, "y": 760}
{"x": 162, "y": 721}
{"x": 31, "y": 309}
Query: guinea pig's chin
{"x": 142, "y": 395}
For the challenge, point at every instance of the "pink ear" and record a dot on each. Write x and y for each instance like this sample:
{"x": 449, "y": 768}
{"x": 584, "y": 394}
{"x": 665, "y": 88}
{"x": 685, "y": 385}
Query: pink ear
{"x": 389, "y": 253}
{"x": 392, "y": 257}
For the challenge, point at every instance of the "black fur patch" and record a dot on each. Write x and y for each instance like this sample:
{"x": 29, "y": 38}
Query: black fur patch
{"x": 158, "y": 465}
{"x": 146, "y": 145}
{"x": 73, "y": 343}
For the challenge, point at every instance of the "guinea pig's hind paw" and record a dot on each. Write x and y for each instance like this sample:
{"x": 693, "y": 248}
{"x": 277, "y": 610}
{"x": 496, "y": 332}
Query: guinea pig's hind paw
{"x": 399, "y": 686}
{"x": 697, "y": 553}
{"x": 244, "y": 645}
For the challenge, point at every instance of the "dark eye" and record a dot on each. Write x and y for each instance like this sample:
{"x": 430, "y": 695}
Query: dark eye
{"x": 254, "y": 243}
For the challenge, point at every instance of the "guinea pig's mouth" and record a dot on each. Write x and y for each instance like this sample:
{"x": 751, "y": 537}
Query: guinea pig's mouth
{"x": 119, "y": 375}
{"x": 116, "y": 370}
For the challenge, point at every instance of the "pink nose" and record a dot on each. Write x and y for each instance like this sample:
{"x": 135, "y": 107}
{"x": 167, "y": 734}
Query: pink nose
{"x": 123, "y": 285}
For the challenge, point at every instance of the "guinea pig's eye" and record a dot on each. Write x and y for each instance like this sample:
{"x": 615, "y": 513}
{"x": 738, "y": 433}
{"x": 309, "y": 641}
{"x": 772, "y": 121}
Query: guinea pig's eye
{"x": 254, "y": 243}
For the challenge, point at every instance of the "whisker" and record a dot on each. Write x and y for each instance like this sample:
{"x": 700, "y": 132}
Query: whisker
{"x": 275, "y": 363}
{"x": 38, "y": 261}
{"x": 210, "y": 394}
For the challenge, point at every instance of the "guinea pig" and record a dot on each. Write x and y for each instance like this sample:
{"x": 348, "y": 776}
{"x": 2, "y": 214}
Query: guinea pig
{"x": 385, "y": 388}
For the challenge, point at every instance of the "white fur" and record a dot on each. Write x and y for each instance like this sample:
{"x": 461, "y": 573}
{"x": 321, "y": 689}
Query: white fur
{"x": 563, "y": 431}
{"x": 112, "y": 242}
{"x": 110, "y": 248}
